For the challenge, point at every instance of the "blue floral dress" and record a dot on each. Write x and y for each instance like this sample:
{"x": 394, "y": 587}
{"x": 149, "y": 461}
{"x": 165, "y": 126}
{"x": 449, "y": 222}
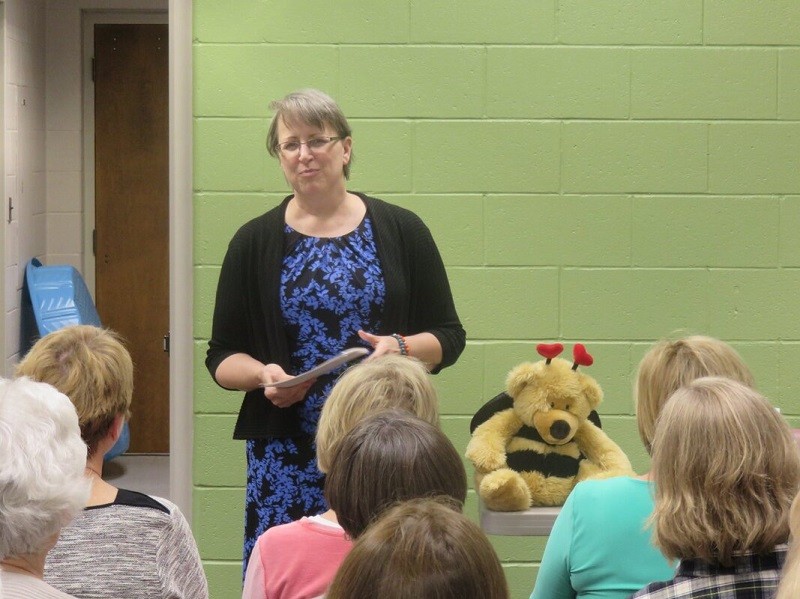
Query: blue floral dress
{"x": 330, "y": 288}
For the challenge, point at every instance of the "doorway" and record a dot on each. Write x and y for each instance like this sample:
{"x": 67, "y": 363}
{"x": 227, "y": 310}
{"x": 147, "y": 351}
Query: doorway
{"x": 127, "y": 207}
{"x": 178, "y": 13}
{"x": 131, "y": 233}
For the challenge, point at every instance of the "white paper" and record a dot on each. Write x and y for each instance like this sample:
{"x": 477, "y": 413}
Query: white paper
{"x": 327, "y": 366}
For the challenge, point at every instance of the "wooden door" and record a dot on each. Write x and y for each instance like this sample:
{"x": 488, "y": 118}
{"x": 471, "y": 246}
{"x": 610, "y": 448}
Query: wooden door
{"x": 132, "y": 212}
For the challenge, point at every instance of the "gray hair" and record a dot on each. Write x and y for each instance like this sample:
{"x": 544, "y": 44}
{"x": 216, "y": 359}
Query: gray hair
{"x": 42, "y": 481}
{"x": 310, "y": 107}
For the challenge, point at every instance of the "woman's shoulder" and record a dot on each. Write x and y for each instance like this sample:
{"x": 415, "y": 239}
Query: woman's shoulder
{"x": 137, "y": 508}
{"x": 262, "y": 224}
{"x": 137, "y": 499}
{"x": 610, "y": 490}
{"x": 620, "y": 503}
{"x": 385, "y": 209}
{"x": 305, "y": 532}
{"x": 395, "y": 220}
{"x": 15, "y": 584}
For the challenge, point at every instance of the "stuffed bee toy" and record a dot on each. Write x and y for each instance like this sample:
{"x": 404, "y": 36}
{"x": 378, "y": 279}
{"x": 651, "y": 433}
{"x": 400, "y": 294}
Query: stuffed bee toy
{"x": 532, "y": 443}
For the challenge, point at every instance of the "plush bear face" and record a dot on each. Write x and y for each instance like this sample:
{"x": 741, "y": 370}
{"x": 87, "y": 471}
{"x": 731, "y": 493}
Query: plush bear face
{"x": 553, "y": 398}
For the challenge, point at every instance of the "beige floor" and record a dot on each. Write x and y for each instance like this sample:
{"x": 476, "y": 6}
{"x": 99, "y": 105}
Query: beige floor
{"x": 146, "y": 473}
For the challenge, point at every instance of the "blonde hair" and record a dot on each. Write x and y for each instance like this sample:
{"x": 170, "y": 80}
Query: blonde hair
{"x": 91, "y": 366}
{"x": 422, "y": 548}
{"x": 670, "y": 365}
{"x": 790, "y": 577}
{"x": 725, "y": 468}
{"x": 389, "y": 381}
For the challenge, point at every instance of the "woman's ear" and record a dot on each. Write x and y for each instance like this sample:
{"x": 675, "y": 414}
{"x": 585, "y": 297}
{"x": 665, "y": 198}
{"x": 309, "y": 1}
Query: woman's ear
{"x": 116, "y": 428}
{"x": 347, "y": 146}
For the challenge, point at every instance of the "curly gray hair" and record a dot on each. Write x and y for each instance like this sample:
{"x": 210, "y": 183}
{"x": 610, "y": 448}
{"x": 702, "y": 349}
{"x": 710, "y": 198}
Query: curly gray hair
{"x": 42, "y": 481}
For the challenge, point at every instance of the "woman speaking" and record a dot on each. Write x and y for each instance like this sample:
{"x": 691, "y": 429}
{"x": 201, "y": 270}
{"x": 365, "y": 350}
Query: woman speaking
{"x": 326, "y": 270}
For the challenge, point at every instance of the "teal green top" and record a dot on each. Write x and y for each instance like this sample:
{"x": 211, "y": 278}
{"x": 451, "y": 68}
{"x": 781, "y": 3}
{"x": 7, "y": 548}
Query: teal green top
{"x": 599, "y": 546}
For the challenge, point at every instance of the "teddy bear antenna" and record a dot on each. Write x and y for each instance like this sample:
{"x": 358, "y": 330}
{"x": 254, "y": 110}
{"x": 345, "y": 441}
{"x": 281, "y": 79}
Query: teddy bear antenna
{"x": 549, "y": 350}
{"x": 581, "y": 357}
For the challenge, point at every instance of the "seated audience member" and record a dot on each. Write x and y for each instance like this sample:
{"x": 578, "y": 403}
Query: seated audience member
{"x": 299, "y": 559}
{"x": 600, "y": 546}
{"x": 725, "y": 469}
{"x": 384, "y": 383}
{"x": 421, "y": 549}
{"x": 789, "y": 587}
{"x": 124, "y": 544}
{"x": 390, "y": 457}
{"x": 42, "y": 482}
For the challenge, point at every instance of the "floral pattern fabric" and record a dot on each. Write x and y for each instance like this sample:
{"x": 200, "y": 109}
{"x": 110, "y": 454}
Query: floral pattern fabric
{"x": 330, "y": 288}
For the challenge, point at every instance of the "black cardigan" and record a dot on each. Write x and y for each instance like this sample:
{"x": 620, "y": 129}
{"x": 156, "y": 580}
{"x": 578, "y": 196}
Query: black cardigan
{"x": 247, "y": 314}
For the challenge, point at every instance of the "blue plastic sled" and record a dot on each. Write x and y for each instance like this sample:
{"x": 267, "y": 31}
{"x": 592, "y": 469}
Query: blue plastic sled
{"x": 54, "y": 297}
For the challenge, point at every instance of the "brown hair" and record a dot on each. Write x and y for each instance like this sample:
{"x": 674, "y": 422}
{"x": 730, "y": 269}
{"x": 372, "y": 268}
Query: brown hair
{"x": 790, "y": 578}
{"x": 91, "y": 366}
{"x": 389, "y": 381}
{"x": 310, "y": 107}
{"x": 390, "y": 457}
{"x": 671, "y": 364}
{"x": 725, "y": 468}
{"x": 421, "y": 549}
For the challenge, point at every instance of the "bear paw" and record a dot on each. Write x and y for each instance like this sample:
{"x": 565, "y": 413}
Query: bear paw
{"x": 504, "y": 490}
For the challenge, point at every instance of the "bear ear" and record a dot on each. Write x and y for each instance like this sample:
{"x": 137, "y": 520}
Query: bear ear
{"x": 592, "y": 392}
{"x": 520, "y": 377}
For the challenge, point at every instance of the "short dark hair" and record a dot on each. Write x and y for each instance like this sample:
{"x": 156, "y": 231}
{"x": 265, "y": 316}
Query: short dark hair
{"x": 390, "y": 457}
{"x": 421, "y": 548}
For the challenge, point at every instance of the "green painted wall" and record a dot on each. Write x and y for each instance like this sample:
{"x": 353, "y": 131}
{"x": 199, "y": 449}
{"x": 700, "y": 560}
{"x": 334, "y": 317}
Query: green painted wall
{"x": 606, "y": 172}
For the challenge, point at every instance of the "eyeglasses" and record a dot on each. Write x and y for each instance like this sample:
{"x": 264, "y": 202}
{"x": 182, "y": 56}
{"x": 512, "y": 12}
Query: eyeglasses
{"x": 315, "y": 144}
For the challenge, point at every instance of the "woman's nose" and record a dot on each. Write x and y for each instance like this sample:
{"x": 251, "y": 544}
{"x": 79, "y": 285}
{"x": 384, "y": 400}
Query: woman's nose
{"x": 305, "y": 153}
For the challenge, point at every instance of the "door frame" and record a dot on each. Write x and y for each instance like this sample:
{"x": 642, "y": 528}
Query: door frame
{"x": 181, "y": 310}
{"x": 181, "y": 243}
{"x": 6, "y": 198}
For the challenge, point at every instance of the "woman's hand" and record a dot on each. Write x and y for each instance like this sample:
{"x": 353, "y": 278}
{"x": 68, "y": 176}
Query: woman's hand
{"x": 381, "y": 344}
{"x": 285, "y": 396}
{"x": 423, "y": 346}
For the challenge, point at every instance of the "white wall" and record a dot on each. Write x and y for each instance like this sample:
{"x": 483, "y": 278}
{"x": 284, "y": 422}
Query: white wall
{"x": 25, "y": 155}
{"x": 64, "y": 134}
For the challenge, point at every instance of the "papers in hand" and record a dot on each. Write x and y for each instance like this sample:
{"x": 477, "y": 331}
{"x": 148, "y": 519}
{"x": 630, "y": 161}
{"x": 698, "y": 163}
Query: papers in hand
{"x": 327, "y": 366}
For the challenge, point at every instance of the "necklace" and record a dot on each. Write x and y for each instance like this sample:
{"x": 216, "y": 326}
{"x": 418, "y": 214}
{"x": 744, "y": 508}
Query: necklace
{"x": 95, "y": 472}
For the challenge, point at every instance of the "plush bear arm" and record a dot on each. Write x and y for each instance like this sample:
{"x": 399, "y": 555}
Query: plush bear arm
{"x": 487, "y": 448}
{"x": 601, "y": 451}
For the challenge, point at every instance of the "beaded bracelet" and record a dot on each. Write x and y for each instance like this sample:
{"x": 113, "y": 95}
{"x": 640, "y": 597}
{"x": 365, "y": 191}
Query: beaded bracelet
{"x": 401, "y": 341}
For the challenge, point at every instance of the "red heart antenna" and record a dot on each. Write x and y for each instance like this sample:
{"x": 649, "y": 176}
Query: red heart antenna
{"x": 581, "y": 356}
{"x": 549, "y": 350}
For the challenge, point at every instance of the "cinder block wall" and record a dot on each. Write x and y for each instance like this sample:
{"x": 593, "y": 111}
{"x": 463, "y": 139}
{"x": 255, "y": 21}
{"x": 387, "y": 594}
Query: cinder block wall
{"x": 606, "y": 172}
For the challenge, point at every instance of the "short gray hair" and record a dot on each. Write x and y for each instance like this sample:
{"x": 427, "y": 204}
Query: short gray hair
{"x": 310, "y": 107}
{"x": 42, "y": 480}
